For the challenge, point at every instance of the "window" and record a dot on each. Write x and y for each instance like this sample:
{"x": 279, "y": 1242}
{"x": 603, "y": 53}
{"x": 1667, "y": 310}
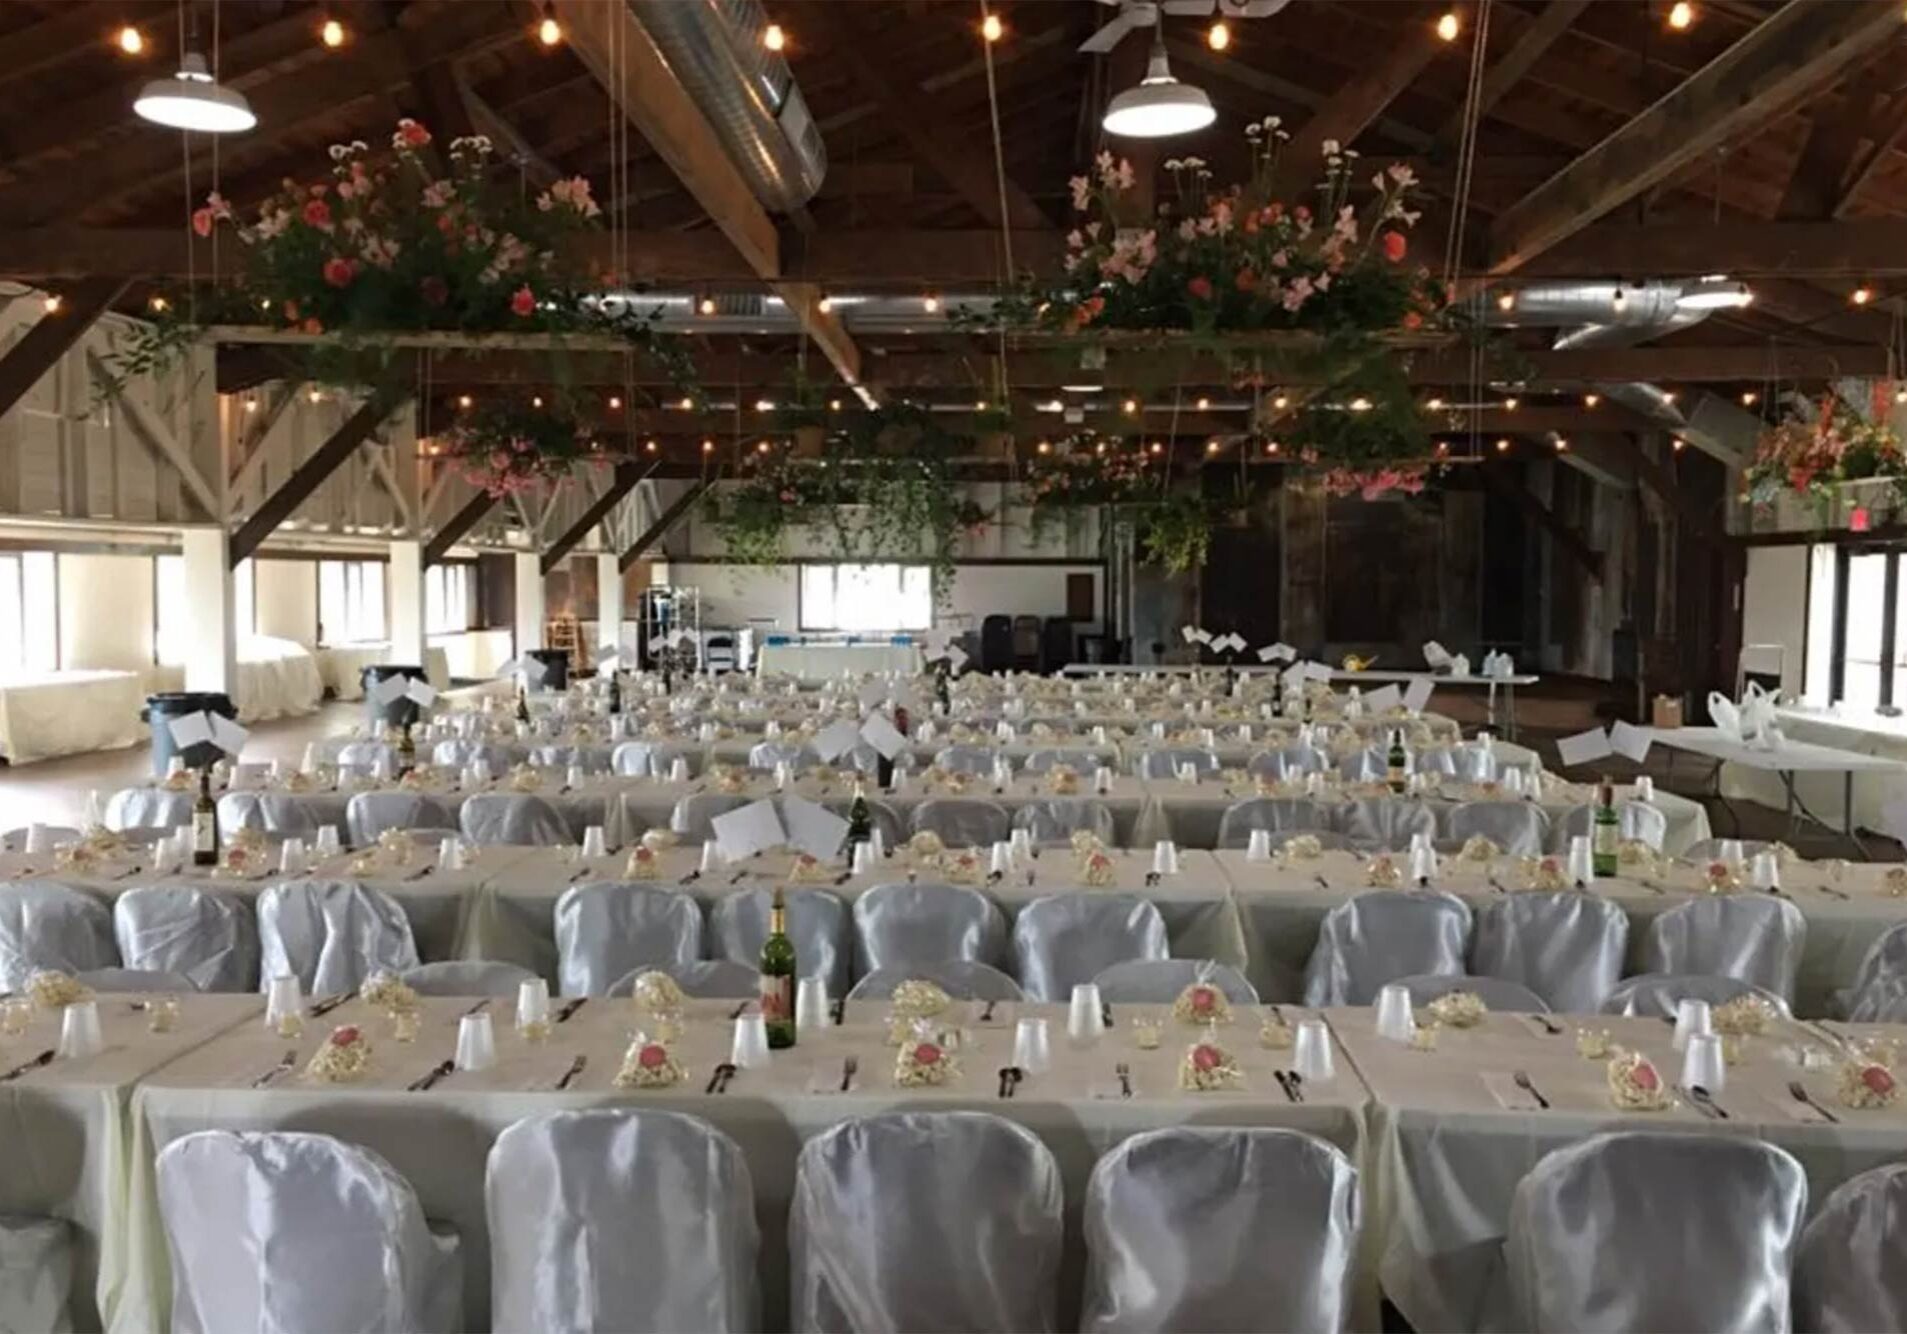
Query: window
{"x": 351, "y": 602}
{"x": 447, "y": 600}
{"x": 864, "y": 598}
{"x": 1817, "y": 682}
{"x": 1857, "y": 648}
{"x": 29, "y": 613}
{"x": 171, "y": 632}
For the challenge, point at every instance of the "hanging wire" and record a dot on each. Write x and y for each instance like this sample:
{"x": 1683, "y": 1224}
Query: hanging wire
{"x": 1006, "y": 220}
{"x": 1467, "y": 147}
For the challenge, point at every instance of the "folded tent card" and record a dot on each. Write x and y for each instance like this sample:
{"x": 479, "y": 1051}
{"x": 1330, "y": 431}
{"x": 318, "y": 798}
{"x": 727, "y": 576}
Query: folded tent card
{"x": 836, "y": 739}
{"x": 1383, "y": 699}
{"x": 812, "y": 828}
{"x": 881, "y": 734}
{"x": 1417, "y": 695}
{"x": 393, "y": 688}
{"x": 1624, "y": 739}
{"x": 748, "y": 829}
{"x": 1279, "y": 652}
{"x": 196, "y": 729}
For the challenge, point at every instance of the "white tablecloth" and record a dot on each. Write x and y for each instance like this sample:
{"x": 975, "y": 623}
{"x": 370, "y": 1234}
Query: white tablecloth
{"x": 66, "y": 713}
{"x": 816, "y": 662}
{"x": 1870, "y": 740}
{"x": 277, "y": 678}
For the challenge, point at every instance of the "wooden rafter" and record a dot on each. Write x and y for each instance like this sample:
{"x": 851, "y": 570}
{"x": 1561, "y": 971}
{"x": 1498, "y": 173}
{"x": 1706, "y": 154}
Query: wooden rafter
{"x": 1833, "y": 145}
{"x": 624, "y": 480}
{"x": 158, "y": 438}
{"x": 56, "y": 333}
{"x": 308, "y": 476}
{"x": 658, "y": 530}
{"x": 1550, "y": 23}
{"x": 1566, "y": 539}
{"x": 453, "y": 529}
{"x": 1361, "y": 100}
{"x": 1792, "y": 52}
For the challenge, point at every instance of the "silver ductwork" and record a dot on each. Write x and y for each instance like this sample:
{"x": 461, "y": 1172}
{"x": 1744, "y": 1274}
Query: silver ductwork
{"x": 747, "y": 92}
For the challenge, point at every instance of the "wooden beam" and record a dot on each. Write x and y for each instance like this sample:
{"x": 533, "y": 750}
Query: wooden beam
{"x": 78, "y": 31}
{"x": 1887, "y": 133}
{"x": 1800, "y": 47}
{"x": 664, "y": 522}
{"x": 1833, "y": 143}
{"x": 1865, "y": 246}
{"x": 456, "y": 526}
{"x": 164, "y": 445}
{"x": 310, "y": 475}
{"x": 1567, "y": 539}
{"x": 1360, "y": 100}
{"x": 508, "y": 138}
{"x": 54, "y": 334}
{"x": 1549, "y": 24}
{"x": 624, "y": 480}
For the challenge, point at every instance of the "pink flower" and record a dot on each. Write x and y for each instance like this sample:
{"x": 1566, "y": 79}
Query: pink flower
{"x": 1395, "y": 247}
{"x": 523, "y": 302}
{"x": 202, "y": 220}
{"x": 410, "y": 134}
{"x": 1200, "y": 287}
{"x": 339, "y": 271}
{"x": 653, "y": 1056}
{"x": 926, "y": 1053}
{"x": 1878, "y": 1080}
{"x": 1205, "y": 1057}
{"x": 1203, "y": 1000}
{"x": 1645, "y": 1078}
{"x": 345, "y": 1036}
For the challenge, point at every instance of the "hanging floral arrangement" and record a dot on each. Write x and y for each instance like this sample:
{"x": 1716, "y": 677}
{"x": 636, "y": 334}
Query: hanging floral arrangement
{"x": 1810, "y": 455}
{"x": 507, "y": 445}
{"x": 1131, "y": 489}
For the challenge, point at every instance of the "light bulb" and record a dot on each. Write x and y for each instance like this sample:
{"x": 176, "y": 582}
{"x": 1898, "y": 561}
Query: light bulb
{"x": 463, "y": 401}
{"x": 930, "y": 304}
{"x": 1561, "y": 444}
{"x": 708, "y": 446}
{"x": 331, "y": 33}
{"x": 1509, "y": 404}
{"x": 991, "y": 28}
{"x": 1860, "y": 296}
{"x": 549, "y": 31}
{"x": 1448, "y": 26}
{"x": 1280, "y": 402}
{"x": 615, "y": 403}
{"x": 1130, "y": 406}
{"x": 1506, "y": 301}
{"x": 131, "y": 40}
{"x": 1681, "y": 14}
{"x": 1503, "y": 445}
{"x": 1219, "y": 35}
{"x": 1590, "y": 400}
{"x": 1435, "y": 405}
{"x": 706, "y": 305}
{"x": 773, "y": 37}
{"x": 52, "y": 303}
{"x": 1204, "y": 403}
{"x": 1748, "y": 399}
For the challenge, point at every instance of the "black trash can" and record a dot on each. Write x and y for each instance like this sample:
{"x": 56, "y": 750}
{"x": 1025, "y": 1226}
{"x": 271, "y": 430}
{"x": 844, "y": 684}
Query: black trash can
{"x": 400, "y": 712}
{"x": 161, "y": 709}
{"x": 555, "y": 668}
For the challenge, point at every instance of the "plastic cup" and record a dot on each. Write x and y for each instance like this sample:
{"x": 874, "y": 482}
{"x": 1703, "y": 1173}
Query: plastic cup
{"x": 284, "y": 999}
{"x": 1703, "y": 1063}
{"x": 1692, "y": 1020}
{"x": 1165, "y": 857}
{"x": 1032, "y": 1049}
{"x": 79, "y": 1030}
{"x": 679, "y": 770}
{"x": 328, "y": 843}
{"x": 291, "y": 857}
{"x": 1582, "y": 861}
{"x": 1085, "y": 1017}
{"x": 476, "y": 1042}
{"x": 532, "y": 1003}
{"x": 1258, "y": 848}
{"x": 1311, "y": 1054}
{"x": 811, "y": 1002}
{"x": 593, "y": 842}
{"x": 450, "y": 854}
{"x": 1395, "y": 1021}
{"x": 749, "y": 1049}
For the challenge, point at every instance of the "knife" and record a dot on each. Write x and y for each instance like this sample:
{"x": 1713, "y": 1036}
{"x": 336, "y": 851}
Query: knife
{"x": 429, "y": 1079}
{"x": 576, "y": 1067}
{"x": 285, "y": 1063}
{"x": 43, "y": 1058}
{"x": 569, "y": 1008}
{"x": 328, "y": 1004}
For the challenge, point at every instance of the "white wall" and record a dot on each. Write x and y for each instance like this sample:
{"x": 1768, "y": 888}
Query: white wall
{"x": 285, "y": 593}
{"x": 732, "y": 595}
{"x": 105, "y": 611}
{"x": 1775, "y": 609}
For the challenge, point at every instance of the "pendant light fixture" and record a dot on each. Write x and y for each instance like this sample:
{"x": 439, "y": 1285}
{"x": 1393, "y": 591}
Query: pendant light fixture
{"x": 193, "y": 100}
{"x": 1160, "y": 105}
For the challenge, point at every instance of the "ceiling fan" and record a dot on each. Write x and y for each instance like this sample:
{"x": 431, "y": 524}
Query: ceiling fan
{"x": 1141, "y": 15}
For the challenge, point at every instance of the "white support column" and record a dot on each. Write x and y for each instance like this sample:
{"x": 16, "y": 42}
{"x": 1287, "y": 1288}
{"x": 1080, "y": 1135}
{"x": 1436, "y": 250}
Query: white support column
{"x": 608, "y": 601}
{"x": 529, "y": 602}
{"x": 406, "y": 582}
{"x": 211, "y": 656}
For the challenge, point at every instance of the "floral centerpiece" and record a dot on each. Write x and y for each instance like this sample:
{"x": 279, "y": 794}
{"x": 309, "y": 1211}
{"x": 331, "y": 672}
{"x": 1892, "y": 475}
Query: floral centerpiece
{"x": 1867, "y": 1084}
{"x": 1810, "y": 454}
{"x": 648, "y": 1065}
{"x": 341, "y": 1058}
{"x": 1202, "y": 1003}
{"x": 1207, "y": 1068}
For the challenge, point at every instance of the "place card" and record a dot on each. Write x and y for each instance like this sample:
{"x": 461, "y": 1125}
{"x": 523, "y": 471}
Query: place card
{"x": 747, "y": 830}
{"x": 813, "y": 828}
{"x": 1417, "y": 694}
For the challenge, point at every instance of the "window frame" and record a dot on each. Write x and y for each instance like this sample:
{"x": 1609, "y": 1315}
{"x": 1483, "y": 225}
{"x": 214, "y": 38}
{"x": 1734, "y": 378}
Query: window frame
{"x": 834, "y": 568}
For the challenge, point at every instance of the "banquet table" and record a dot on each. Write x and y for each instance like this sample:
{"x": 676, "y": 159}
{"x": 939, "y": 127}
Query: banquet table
{"x": 1470, "y": 680}
{"x": 1446, "y": 1152}
{"x": 276, "y": 678}
{"x": 816, "y": 662}
{"x": 65, "y": 713}
{"x": 438, "y": 1140}
{"x": 64, "y": 1127}
{"x": 1281, "y": 906}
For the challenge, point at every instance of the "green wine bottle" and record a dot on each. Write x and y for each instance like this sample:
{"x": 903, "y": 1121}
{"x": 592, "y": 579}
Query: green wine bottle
{"x": 778, "y": 976}
{"x": 1397, "y": 762}
{"x": 1607, "y": 831}
{"x": 860, "y": 820}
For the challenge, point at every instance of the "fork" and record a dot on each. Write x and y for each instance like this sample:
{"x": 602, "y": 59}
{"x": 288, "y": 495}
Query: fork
{"x": 576, "y": 1067}
{"x": 849, "y": 1067}
{"x": 1799, "y": 1092}
{"x": 1524, "y": 1082}
{"x": 1124, "y": 1072}
{"x": 285, "y": 1062}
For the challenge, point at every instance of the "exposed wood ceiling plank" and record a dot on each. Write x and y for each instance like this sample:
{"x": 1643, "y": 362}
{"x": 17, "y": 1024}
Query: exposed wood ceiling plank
{"x": 622, "y": 482}
{"x": 1358, "y": 103}
{"x": 309, "y": 475}
{"x": 1833, "y": 145}
{"x": 54, "y": 334}
{"x": 1550, "y": 23}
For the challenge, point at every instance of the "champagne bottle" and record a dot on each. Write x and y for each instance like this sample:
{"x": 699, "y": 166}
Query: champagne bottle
{"x": 205, "y": 823}
{"x": 778, "y": 977}
{"x": 615, "y": 693}
{"x": 1606, "y": 832}
{"x": 860, "y": 820}
{"x": 406, "y": 751}
{"x": 1398, "y": 761}
{"x": 522, "y": 704}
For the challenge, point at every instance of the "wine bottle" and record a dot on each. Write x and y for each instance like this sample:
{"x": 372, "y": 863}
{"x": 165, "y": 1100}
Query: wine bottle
{"x": 1397, "y": 762}
{"x": 406, "y": 751}
{"x": 615, "y": 693}
{"x": 942, "y": 697}
{"x": 860, "y": 820}
{"x": 1606, "y": 832}
{"x": 205, "y": 823}
{"x": 522, "y": 704}
{"x": 778, "y": 976}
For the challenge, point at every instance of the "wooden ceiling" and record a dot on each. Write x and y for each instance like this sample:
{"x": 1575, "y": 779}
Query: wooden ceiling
{"x": 1765, "y": 139}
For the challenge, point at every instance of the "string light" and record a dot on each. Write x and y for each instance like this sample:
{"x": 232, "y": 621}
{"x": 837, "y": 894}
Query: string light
{"x": 1506, "y": 301}
{"x": 130, "y": 40}
{"x": 1204, "y": 403}
{"x": 157, "y": 305}
{"x": 688, "y": 404}
{"x": 1861, "y": 295}
{"x": 1157, "y": 448}
{"x": 1509, "y": 405}
{"x": 1900, "y": 395}
{"x": 762, "y": 448}
{"x": 1681, "y": 14}
{"x": 1748, "y": 399}
{"x": 706, "y": 306}
{"x": 1435, "y": 405}
{"x": 930, "y": 304}
{"x": 649, "y": 445}
{"x": 1678, "y": 443}
{"x": 549, "y": 31}
{"x": 834, "y": 405}
{"x": 1211, "y": 446}
{"x": 1044, "y": 447}
{"x": 1503, "y": 445}
{"x": 615, "y": 403}
{"x": 331, "y": 33}
{"x": 1449, "y": 26}
{"x": 1669, "y": 397}
{"x": 1281, "y": 403}
{"x": 1562, "y": 445}
{"x": 773, "y": 37}
{"x": 251, "y": 405}
{"x": 708, "y": 446}
{"x": 1271, "y": 446}
{"x": 1590, "y": 400}
{"x": 313, "y": 396}
{"x": 1360, "y": 405}
{"x": 825, "y": 304}
{"x": 463, "y": 402}
{"x": 991, "y": 28}
{"x": 1219, "y": 35}
{"x": 1131, "y": 406}
{"x": 537, "y": 401}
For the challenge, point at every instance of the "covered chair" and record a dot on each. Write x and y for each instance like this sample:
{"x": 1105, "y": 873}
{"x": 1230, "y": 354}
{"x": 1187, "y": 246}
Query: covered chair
{"x": 46, "y": 925}
{"x": 591, "y": 759}
{"x": 925, "y": 1221}
{"x": 1166, "y": 763}
{"x": 1381, "y": 935}
{"x": 332, "y": 1238}
{"x": 1056, "y": 819}
{"x": 149, "y": 808}
{"x": 1292, "y": 762}
{"x": 693, "y": 819}
{"x": 1650, "y": 1231}
{"x": 587, "y": 1215}
{"x": 966, "y": 759}
{"x": 1710, "y": 849}
{"x": 15, "y": 840}
{"x": 1658, "y": 994}
{"x": 963, "y": 822}
{"x": 1272, "y": 814}
{"x": 122, "y": 981}
{"x": 705, "y": 979}
{"x": 331, "y": 934}
{"x": 817, "y": 924}
{"x": 1881, "y": 979}
{"x": 1218, "y": 1229}
{"x": 36, "y": 1273}
{"x": 279, "y": 814}
{"x": 1520, "y": 828}
{"x": 466, "y": 977}
{"x": 462, "y": 754}
{"x": 1848, "y": 1278}
{"x": 1566, "y": 946}
{"x": 963, "y": 979}
{"x": 797, "y": 755}
{"x": 1755, "y": 938}
{"x": 653, "y": 759}
{"x": 369, "y": 814}
{"x": 1386, "y": 823}
{"x": 1641, "y": 822}
{"x": 518, "y": 819}
{"x": 205, "y": 935}
{"x": 1160, "y": 981}
{"x": 1496, "y": 992}
{"x": 607, "y": 928}
{"x": 1064, "y": 939}
{"x": 896, "y": 926}
{"x": 1084, "y": 759}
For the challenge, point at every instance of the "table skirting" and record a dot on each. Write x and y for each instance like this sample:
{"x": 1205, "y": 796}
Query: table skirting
{"x": 67, "y": 713}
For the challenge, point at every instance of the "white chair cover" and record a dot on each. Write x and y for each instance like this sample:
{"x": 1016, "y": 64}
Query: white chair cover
{"x": 1496, "y": 992}
{"x": 367, "y": 755}
{"x": 1372, "y": 764}
{"x": 705, "y": 979}
{"x": 795, "y": 754}
{"x": 906, "y": 926}
{"x": 1165, "y": 763}
{"x": 331, "y": 934}
{"x": 590, "y": 758}
{"x": 1848, "y": 1278}
{"x": 466, "y": 977}
{"x": 1566, "y": 946}
{"x": 926, "y": 1222}
{"x": 1210, "y": 1229}
{"x": 1064, "y": 939}
{"x": 605, "y": 929}
{"x": 1474, "y": 762}
{"x": 369, "y": 814}
{"x": 461, "y": 754}
{"x": 1084, "y": 759}
{"x": 290, "y": 1232}
{"x": 1387, "y": 823}
{"x": 278, "y": 813}
{"x": 36, "y": 1273}
{"x": 1382, "y": 935}
{"x": 123, "y": 980}
{"x": 966, "y": 759}
{"x": 817, "y": 924}
{"x": 963, "y": 822}
{"x": 693, "y": 815}
{"x": 14, "y": 840}
{"x": 1160, "y": 981}
{"x": 636, "y": 759}
{"x": 642, "y": 1222}
{"x": 1881, "y": 979}
{"x": 1710, "y": 849}
{"x": 206, "y": 936}
{"x": 513, "y": 818}
{"x": 149, "y": 808}
{"x": 1520, "y": 828}
{"x": 1291, "y": 762}
{"x": 45, "y": 925}
{"x": 1656, "y": 994}
{"x": 1756, "y": 938}
{"x": 963, "y": 979}
{"x": 1640, "y": 821}
{"x": 1273, "y": 814}
{"x": 1057, "y": 819}
{"x": 1648, "y": 1231}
